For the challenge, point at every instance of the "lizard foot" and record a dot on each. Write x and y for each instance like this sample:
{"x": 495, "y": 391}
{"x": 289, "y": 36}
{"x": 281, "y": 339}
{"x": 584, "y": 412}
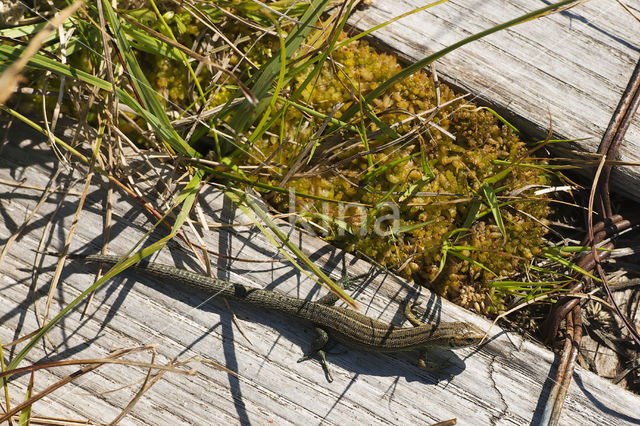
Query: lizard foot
{"x": 323, "y": 361}
{"x": 317, "y": 348}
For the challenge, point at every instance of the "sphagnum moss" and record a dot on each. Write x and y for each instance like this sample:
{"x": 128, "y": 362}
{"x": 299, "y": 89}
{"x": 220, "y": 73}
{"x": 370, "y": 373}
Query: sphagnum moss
{"x": 460, "y": 166}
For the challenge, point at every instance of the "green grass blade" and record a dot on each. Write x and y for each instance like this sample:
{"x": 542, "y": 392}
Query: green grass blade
{"x": 126, "y": 263}
{"x": 502, "y": 119}
{"x": 340, "y": 224}
{"x": 383, "y": 168}
{"x": 470, "y": 260}
{"x": 149, "y": 97}
{"x": 374, "y": 210}
{"x": 474, "y": 208}
{"x": 418, "y": 65}
{"x": 492, "y": 201}
{"x": 390, "y": 21}
{"x": 160, "y": 123}
{"x": 25, "y": 414}
{"x": 261, "y": 127}
{"x": 246, "y": 202}
{"x": 564, "y": 262}
{"x": 11, "y": 53}
{"x": 246, "y": 114}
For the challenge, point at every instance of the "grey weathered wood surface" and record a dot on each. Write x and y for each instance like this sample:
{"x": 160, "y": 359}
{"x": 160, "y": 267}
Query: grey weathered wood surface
{"x": 502, "y": 382}
{"x": 574, "y": 65}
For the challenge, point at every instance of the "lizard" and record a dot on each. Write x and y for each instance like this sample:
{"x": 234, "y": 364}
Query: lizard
{"x": 341, "y": 324}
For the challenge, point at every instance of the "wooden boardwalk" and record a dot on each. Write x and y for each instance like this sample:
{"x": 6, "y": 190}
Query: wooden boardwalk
{"x": 502, "y": 382}
{"x": 573, "y": 65}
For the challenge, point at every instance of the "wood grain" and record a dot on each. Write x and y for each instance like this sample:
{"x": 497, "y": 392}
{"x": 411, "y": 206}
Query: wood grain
{"x": 501, "y": 382}
{"x": 572, "y": 66}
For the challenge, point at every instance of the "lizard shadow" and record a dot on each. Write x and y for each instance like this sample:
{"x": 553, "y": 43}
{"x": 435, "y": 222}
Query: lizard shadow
{"x": 447, "y": 364}
{"x": 301, "y": 334}
{"x": 279, "y": 326}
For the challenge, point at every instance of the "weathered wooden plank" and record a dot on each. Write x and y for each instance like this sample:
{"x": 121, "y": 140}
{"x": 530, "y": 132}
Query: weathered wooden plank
{"x": 503, "y": 380}
{"x": 574, "y": 65}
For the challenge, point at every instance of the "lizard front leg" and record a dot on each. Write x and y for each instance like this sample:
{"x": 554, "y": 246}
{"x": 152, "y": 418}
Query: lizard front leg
{"x": 317, "y": 348}
{"x": 423, "y": 360}
{"x": 322, "y": 338}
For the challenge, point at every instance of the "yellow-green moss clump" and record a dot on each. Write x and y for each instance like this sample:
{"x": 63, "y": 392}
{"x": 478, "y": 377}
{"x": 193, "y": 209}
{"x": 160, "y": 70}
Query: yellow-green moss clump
{"x": 429, "y": 179}
{"x": 429, "y": 207}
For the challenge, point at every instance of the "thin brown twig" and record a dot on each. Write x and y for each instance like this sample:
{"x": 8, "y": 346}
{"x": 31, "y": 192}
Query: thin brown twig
{"x": 90, "y": 365}
{"x": 608, "y": 226}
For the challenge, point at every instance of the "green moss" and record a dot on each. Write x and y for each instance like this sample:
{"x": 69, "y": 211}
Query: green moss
{"x": 430, "y": 180}
{"x": 460, "y": 166}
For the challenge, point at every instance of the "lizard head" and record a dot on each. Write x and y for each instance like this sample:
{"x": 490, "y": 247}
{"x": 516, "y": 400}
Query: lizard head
{"x": 465, "y": 334}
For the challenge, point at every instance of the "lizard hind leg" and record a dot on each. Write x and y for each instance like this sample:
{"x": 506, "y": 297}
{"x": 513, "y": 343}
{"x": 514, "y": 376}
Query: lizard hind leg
{"x": 317, "y": 348}
{"x": 330, "y": 299}
{"x": 409, "y": 313}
